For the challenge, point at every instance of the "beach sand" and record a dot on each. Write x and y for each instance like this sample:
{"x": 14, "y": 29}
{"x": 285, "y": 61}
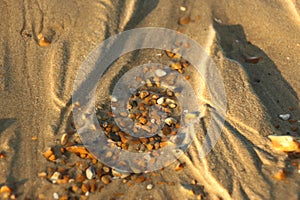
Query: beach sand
{"x": 36, "y": 87}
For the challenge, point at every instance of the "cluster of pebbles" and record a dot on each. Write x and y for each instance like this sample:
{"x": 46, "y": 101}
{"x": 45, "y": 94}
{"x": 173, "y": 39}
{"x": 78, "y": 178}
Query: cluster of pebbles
{"x": 153, "y": 109}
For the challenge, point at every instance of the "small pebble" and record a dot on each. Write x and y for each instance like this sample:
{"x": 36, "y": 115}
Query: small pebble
{"x": 64, "y": 139}
{"x": 55, "y": 195}
{"x": 160, "y": 73}
{"x": 149, "y": 186}
{"x": 105, "y": 179}
{"x": 90, "y": 172}
{"x": 169, "y": 121}
{"x": 182, "y": 8}
{"x": 55, "y": 177}
{"x": 160, "y": 100}
{"x": 184, "y": 20}
{"x": 285, "y": 117}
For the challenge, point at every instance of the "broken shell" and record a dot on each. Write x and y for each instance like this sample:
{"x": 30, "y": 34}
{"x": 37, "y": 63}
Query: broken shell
{"x": 284, "y": 143}
{"x": 285, "y": 117}
{"x": 64, "y": 139}
{"x": 160, "y": 73}
{"x": 169, "y": 121}
{"x": 90, "y": 172}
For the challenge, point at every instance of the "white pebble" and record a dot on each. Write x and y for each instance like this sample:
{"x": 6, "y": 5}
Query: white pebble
{"x": 90, "y": 172}
{"x": 182, "y": 8}
{"x": 160, "y": 100}
{"x": 114, "y": 99}
{"x": 285, "y": 116}
{"x": 55, "y": 195}
{"x": 160, "y": 73}
{"x": 55, "y": 177}
{"x": 169, "y": 121}
{"x": 149, "y": 187}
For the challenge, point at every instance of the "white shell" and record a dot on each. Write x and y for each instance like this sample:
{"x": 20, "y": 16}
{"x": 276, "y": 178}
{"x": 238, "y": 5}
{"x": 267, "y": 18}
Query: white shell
{"x": 160, "y": 100}
{"x": 149, "y": 186}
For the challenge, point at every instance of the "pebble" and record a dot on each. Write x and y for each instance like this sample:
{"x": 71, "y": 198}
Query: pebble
{"x": 149, "y": 186}
{"x": 105, "y": 179}
{"x": 90, "y": 172}
{"x": 182, "y": 8}
{"x": 43, "y": 42}
{"x": 160, "y": 100}
{"x": 169, "y": 121}
{"x": 55, "y": 177}
{"x": 160, "y": 73}
{"x": 144, "y": 94}
{"x": 285, "y": 143}
{"x": 55, "y": 195}
{"x": 64, "y": 139}
{"x": 116, "y": 173}
{"x": 285, "y": 117}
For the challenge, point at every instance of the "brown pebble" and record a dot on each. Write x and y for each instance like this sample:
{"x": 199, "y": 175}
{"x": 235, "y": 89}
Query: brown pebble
{"x": 42, "y": 174}
{"x": 75, "y": 188}
{"x": 65, "y": 197}
{"x": 184, "y": 20}
{"x": 179, "y": 167}
{"x": 48, "y": 153}
{"x": 291, "y": 108}
{"x": 149, "y": 147}
{"x": 140, "y": 179}
{"x": 2, "y": 155}
{"x": 85, "y": 188}
{"x": 144, "y": 94}
{"x": 52, "y": 158}
{"x": 280, "y": 175}
{"x": 93, "y": 186}
{"x": 77, "y": 149}
{"x": 166, "y": 130}
{"x": 34, "y": 138}
{"x": 105, "y": 179}
{"x": 80, "y": 178}
{"x": 294, "y": 128}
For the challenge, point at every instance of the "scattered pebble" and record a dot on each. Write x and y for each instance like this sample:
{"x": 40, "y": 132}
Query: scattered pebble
{"x": 280, "y": 175}
{"x": 55, "y": 195}
{"x": 285, "y": 117}
{"x": 55, "y": 177}
{"x": 182, "y": 8}
{"x": 64, "y": 139}
{"x": 105, "y": 179}
{"x": 160, "y": 100}
{"x": 90, "y": 172}
{"x": 184, "y": 20}
{"x": 149, "y": 186}
{"x": 43, "y": 42}
{"x": 252, "y": 59}
{"x": 169, "y": 121}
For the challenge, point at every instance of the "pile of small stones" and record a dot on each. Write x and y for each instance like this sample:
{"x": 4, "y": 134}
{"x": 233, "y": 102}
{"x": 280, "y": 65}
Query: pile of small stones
{"x": 81, "y": 173}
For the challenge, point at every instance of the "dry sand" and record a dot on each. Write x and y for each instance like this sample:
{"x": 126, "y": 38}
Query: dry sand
{"x": 36, "y": 85}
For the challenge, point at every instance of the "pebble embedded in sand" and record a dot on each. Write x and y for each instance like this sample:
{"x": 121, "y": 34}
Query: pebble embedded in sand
{"x": 105, "y": 179}
{"x": 182, "y": 8}
{"x": 43, "y": 42}
{"x": 184, "y": 20}
{"x": 55, "y": 195}
{"x": 280, "y": 175}
{"x": 55, "y": 177}
{"x": 285, "y": 117}
{"x": 64, "y": 139}
{"x": 160, "y": 100}
{"x": 5, "y": 189}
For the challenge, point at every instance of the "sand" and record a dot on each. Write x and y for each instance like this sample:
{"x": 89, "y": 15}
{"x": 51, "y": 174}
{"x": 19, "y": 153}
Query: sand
{"x": 36, "y": 86}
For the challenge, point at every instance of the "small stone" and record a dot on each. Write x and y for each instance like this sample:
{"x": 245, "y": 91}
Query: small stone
{"x": 280, "y": 175}
{"x": 85, "y": 188}
{"x": 182, "y": 8}
{"x": 149, "y": 186}
{"x": 160, "y": 100}
{"x": 5, "y": 189}
{"x": 106, "y": 169}
{"x": 90, "y": 172}
{"x": 48, "y": 153}
{"x": 176, "y": 66}
{"x": 42, "y": 174}
{"x": 43, "y": 42}
{"x": 55, "y": 177}
{"x": 285, "y": 117}
{"x": 143, "y": 120}
{"x": 114, "y": 99}
{"x": 172, "y": 105}
{"x": 169, "y": 121}
{"x": 120, "y": 174}
{"x": 64, "y": 139}
{"x": 105, "y": 179}
{"x": 144, "y": 94}
{"x": 160, "y": 73}
{"x": 55, "y": 195}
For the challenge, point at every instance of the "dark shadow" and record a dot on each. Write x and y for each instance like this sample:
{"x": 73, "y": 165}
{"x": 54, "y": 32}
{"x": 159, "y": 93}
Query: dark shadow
{"x": 5, "y": 123}
{"x": 274, "y": 92}
{"x": 142, "y": 9}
